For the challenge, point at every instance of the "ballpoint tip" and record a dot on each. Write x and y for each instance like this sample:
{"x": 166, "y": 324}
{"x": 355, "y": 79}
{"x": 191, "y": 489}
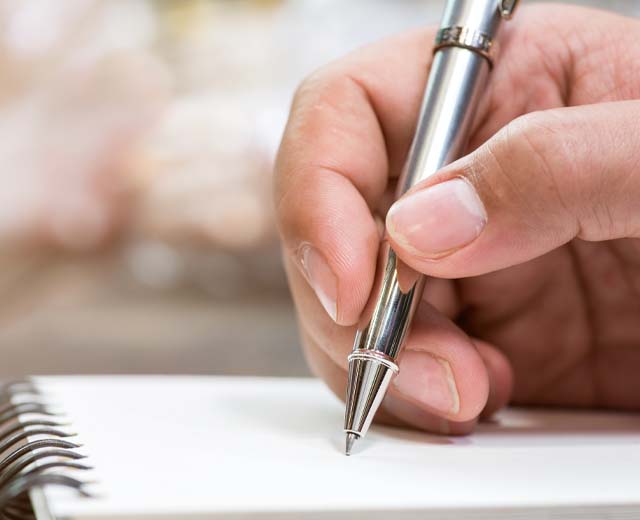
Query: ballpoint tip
{"x": 351, "y": 438}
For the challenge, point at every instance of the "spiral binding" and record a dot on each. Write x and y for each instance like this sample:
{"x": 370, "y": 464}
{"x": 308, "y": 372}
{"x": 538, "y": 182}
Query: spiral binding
{"x": 26, "y": 464}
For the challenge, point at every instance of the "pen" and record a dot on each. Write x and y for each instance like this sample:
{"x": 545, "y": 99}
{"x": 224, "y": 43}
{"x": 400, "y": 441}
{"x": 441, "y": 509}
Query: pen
{"x": 463, "y": 56}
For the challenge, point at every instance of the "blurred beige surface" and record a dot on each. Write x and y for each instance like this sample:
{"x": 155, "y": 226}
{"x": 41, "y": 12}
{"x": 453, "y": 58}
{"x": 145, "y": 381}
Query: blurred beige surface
{"x": 90, "y": 315}
{"x": 138, "y": 139}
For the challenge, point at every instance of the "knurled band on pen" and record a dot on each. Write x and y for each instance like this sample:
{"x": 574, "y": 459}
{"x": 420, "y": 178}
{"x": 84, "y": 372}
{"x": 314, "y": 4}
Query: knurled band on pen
{"x": 466, "y": 38}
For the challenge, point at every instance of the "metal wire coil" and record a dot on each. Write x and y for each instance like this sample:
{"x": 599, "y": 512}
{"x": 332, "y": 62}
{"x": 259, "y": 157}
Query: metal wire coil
{"x": 26, "y": 462}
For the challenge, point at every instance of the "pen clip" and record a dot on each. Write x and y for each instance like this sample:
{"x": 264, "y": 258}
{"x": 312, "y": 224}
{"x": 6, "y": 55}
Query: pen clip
{"x": 507, "y": 8}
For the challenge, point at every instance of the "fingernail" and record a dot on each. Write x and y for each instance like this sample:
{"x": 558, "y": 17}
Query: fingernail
{"x": 429, "y": 380}
{"x": 439, "y": 219}
{"x": 320, "y": 278}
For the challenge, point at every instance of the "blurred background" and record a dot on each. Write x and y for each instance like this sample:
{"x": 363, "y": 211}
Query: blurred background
{"x": 136, "y": 141}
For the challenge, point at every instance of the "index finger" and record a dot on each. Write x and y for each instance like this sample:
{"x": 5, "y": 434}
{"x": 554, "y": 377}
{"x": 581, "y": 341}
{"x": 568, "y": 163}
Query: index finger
{"x": 349, "y": 128}
{"x": 349, "y": 131}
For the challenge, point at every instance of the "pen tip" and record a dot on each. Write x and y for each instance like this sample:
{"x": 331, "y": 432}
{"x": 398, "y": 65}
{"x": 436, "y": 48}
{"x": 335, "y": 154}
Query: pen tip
{"x": 351, "y": 438}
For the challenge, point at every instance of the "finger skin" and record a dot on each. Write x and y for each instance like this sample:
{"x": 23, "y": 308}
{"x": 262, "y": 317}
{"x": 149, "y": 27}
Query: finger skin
{"x": 443, "y": 295}
{"x": 327, "y": 347}
{"x": 545, "y": 179}
{"x": 438, "y": 357}
{"x": 500, "y": 377}
{"x": 437, "y": 349}
{"x": 350, "y": 128}
{"x": 348, "y": 133}
{"x": 334, "y": 160}
{"x": 394, "y": 411}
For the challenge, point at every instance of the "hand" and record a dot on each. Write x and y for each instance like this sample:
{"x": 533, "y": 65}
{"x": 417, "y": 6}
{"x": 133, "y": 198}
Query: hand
{"x": 532, "y": 238}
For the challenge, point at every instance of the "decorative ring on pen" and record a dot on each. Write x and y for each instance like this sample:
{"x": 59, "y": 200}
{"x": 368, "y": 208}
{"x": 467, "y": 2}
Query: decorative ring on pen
{"x": 467, "y": 38}
{"x": 374, "y": 355}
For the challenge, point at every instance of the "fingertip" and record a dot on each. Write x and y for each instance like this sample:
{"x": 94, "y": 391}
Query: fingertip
{"x": 329, "y": 231}
{"x": 500, "y": 377}
{"x": 441, "y": 371}
{"x": 433, "y": 221}
{"x": 397, "y": 409}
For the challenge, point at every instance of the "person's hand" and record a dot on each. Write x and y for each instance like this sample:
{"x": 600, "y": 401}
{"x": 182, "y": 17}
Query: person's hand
{"x": 533, "y": 238}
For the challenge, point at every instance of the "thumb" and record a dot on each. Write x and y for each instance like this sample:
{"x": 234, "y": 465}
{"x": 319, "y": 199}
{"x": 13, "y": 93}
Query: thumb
{"x": 544, "y": 179}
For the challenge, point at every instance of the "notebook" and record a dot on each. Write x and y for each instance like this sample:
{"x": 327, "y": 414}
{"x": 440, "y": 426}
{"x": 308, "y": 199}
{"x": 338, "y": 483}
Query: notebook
{"x": 242, "y": 448}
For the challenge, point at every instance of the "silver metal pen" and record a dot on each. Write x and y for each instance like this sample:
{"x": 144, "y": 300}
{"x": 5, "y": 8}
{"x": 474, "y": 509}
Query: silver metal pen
{"x": 463, "y": 54}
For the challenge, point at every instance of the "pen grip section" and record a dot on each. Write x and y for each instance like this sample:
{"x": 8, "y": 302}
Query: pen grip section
{"x": 392, "y": 303}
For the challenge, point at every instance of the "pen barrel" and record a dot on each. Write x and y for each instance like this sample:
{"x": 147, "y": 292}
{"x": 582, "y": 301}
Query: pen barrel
{"x": 458, "y": 74}
{"x": 462, "y": 59}
{"x": 449, "y": 104}
{"x": 455, "y": 83}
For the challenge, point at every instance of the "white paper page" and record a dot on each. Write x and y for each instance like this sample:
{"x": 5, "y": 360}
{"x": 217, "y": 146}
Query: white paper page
{"x": 198, "y": 447}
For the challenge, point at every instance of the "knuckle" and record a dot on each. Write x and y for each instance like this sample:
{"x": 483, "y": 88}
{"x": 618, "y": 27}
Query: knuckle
{"x": 534, "y": 154}
{"x": 548, "y": 156}
{"x": 560, "y": 159}
{"x": 309, "y": 85}
{"x": 530, "y": 139}
{"x": 320, "y": 88}
{"x": 302, "y": 126}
